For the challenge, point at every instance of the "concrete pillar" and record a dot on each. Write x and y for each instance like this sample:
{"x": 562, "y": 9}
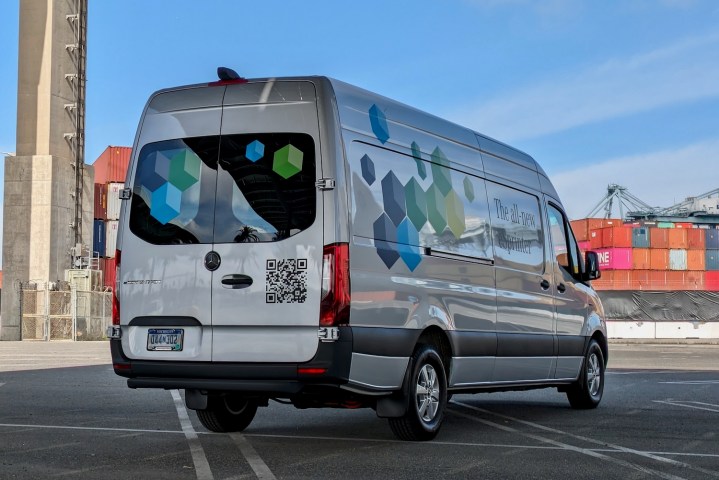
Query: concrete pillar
{"x": 39, "y": 198}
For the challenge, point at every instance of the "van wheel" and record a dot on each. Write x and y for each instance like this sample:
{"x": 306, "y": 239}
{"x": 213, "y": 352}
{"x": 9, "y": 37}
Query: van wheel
{"x": 227, "y": 413}
{"x": 587, "y": 391}
{"x": 427, "y": 391}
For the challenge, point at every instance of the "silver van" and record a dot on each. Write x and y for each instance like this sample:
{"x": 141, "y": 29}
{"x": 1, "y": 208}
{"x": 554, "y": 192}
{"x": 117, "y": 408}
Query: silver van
{"x": 304, "y": 240}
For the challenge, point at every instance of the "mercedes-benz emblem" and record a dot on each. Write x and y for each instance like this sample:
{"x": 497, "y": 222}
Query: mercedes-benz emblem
{"x": 212, "y": 261}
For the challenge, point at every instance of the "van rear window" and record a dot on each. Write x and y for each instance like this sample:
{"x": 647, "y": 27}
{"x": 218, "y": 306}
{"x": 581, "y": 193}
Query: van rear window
{"x": 230, "y": 189}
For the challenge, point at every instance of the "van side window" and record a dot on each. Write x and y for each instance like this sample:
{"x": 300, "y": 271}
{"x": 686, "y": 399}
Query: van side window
{"x": 565, "y": 246}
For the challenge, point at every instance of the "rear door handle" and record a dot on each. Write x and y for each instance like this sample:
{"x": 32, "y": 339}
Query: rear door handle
{"x": 561, "y": 288}
{"x": 236, "y": 281}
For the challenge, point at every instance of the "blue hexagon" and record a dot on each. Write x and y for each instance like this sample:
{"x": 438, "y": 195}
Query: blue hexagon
{"x": 417, "y": 155}
{"x": 155, "y": 170}
{"x": 384, "y": 233}
{"x": 367, "y": 169}
{"x": 166, "y": 203}
{"x": 255, "y": 150}
{"x": 408, "y": 245}
{"x": 393, "y": 197}
{"x": 379, "y": 123}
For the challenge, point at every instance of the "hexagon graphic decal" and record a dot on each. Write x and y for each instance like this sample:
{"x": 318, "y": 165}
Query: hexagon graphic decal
{"x": 385, "y": 232}
{"x": 155, "y": 170}
{"x": 287, "y": 161}
{"x": 379, "y": 123}
{"x": 417, "y": 155}
{"x": 436, "y": 209}
{"x": 416, "y": 203}
{"x": 408, "y": 239}
{"x": 468, "y": 189}
{"x": 255, "y": 150}
{"x": 393, "y": 197}
{"x": 367, "y": 169}
{"x": 166, "y": 203}
{"x": 441, "y": 172}
{"x": 184, "y": 169}
{"x": 455, "y": 213}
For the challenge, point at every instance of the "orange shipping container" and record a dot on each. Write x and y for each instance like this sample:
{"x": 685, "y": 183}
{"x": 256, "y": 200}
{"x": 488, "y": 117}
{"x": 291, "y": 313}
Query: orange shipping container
{"x": 694, "y": 280}
{"x": 657, "y": 280}
{"x": 595, "y": 239}
{"x": 695, "y": 239}
{"x": 659, "y": 237}
{"x": 581, "y": 229}
{"x": 111, "y": 165}
{"x": 659, "y": 259}
{"x": 676, "y": 280}
{"x": 696, "y": 260}
{"x": 641, "y": 259}
{"x": 617, "y": 237}
{"x": 640, "y": 279}
{"x": 678, "y": 238}
{"x": 622, "y": 280}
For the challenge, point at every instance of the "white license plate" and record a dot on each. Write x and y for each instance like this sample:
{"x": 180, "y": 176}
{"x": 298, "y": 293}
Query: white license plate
{"x": 165, "y": 339}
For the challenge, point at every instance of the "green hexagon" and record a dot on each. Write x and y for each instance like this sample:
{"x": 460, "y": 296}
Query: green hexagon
{"x": 468, "y": 189}
{"x": 455, "y": 213}
{"x": 184, "y": 169}
{"x": 441, "y": 173}
{"x": 287, "y": 161}
{"x": 436, "y": 209}
{"x": 416, "y": 203}
{"x": 417, "y": 155}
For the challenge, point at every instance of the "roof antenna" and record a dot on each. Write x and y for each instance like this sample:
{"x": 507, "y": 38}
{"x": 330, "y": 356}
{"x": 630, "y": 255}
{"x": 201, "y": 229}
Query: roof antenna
{"x": 224, "y": 73}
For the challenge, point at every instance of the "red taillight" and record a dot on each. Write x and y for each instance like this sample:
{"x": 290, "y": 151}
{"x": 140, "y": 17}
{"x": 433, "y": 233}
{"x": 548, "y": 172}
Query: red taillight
{"x": 115, "y": 302}
{"x": 233, "y": 81}
{"x": 335, "y": 304}
{"x": 311, "y": 371}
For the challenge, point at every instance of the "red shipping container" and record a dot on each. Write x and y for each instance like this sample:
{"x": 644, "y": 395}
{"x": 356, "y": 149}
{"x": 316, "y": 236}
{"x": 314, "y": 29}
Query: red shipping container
{"x": 696, "y": 260}
{"x": 641, "y": 259}
{"x": 640, "y": 279}
{"x": 100, "y": 202}
{"x": 659, "y": 237}
{"x": 612, "y": 222}
{"x": 618, "y": 237}
{"x": 695, "y": 239}
{"x": 711, "y": 281}
{"x": 622, "y": 280}
{"x": 615, "y": 258}
{"x": 678, "y": 238}
{"x": 109, "y": 273}
{"x": 657, "y": 280}
{"x": 684, "y": 225}
{"x": 676, "y": 280}
{"x": 604, "y": 282}
{"x": 594, "y": 224}
{"x": 580, "y": 229}
{"x": 658, "y": 259}
{"x": 694, "y": 280}
{"x": 111, "y": 165}
{"x": 595, "y": 239}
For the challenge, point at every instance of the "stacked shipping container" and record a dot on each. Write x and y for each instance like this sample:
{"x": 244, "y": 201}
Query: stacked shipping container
{"x": 659, "y": 256}
{"x": 110, "y": 170}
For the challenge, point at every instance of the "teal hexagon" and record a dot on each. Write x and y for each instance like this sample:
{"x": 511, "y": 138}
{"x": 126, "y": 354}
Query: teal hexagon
{"x": 441, "y": 174}
{"x": 416, "y": 201}
{"x": 184, "y": 169}
{"x": 287, "y": 161}
{"x": 455, "y": 213}
{"x": 436, "y": 209}
{"x": 468, "y": 189}
{"x": 417, "y": 155}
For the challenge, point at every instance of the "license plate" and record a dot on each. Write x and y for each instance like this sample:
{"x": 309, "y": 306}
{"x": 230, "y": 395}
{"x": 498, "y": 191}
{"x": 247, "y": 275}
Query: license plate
{"x": 165, "y": 339}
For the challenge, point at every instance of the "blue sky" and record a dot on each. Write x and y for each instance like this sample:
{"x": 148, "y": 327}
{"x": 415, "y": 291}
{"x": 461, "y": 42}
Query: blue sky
{"x": 618, "y": 91}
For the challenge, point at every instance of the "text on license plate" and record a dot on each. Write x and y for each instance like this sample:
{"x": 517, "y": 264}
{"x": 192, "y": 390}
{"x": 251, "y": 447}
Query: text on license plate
{"x": 165, "y": 339}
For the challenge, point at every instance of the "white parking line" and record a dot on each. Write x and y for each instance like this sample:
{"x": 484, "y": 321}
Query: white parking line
{"x": 680, "y": 403}
{"x": 202, "y": 466}
{"x": 260, "y": 468}
{"x": 596, "y": 442}
{"x": 694, "y": 382}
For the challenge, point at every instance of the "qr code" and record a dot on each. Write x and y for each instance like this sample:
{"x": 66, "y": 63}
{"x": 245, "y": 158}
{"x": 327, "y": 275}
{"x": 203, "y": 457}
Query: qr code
{"x": 286, "y": 281}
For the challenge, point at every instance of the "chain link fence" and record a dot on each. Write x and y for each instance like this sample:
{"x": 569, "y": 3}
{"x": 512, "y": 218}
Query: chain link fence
{"x": 58, "y": 311}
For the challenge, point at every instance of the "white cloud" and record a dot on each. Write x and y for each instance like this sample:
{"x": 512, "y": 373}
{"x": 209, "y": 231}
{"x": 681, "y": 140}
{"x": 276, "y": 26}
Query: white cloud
{"x": 682, "y": 72}
{"x": 658, "y": 178}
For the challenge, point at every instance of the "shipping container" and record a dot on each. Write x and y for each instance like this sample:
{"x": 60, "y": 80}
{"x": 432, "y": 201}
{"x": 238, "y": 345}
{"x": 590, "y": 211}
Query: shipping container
{"x": 659, "y": 259}
{"x": 621, "y": 280}
{"x": 110, "y": 238}
{"x": 604, "y": 282}
{"x": 696, "y": 240}
{"x": 100, "y": 202}
{"x": 695, "y": 280}
{"x": 585, "y": 246}
{"x": 616, "y": 237}
{"x": 98, "y": 237}
{"x": 113, "y": 200}
{"x": 665, "y": 225}
{"x": 641, "y": 259}
{"x": 676, "y": 280}
{"x": 111, "y": 165}
{"x": 659, "y": 238}
{"x": 640, "y": 237}
{"x": 711, "y": 281}
{"x": 696, "y": 260}
{"x": 712, "y": 259}
{"x": 704, "y": 226}
{"x": 595, "y": 239}
{"x": 677, "y": 259}
{"x": 641, "y": 279}
{"x": 615, "y": 258}
{"x": 683, "y": 225}
{"x": 711, "y": 238}
{"x": 109, "y": 273}
{"x": 678, "y": 238}
{"x": 580, "y": 229}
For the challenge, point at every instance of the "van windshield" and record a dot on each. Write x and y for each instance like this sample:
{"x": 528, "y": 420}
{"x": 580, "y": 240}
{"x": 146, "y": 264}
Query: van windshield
{"x": 229, "y": 189}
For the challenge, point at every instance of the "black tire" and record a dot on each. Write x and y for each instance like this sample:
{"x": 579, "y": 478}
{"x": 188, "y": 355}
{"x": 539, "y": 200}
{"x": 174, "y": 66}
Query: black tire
{"x": 227, "y": 413}
{"x": 427, "y": 400}
{"x": 587, "y": 391}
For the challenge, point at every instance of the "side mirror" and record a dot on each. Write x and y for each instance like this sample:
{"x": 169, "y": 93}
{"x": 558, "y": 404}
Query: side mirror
{"x": 591, "y": 266}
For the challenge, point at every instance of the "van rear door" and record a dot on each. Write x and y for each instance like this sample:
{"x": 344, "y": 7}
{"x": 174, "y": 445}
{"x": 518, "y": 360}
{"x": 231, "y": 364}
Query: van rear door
{"x": 268, "y": 232}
